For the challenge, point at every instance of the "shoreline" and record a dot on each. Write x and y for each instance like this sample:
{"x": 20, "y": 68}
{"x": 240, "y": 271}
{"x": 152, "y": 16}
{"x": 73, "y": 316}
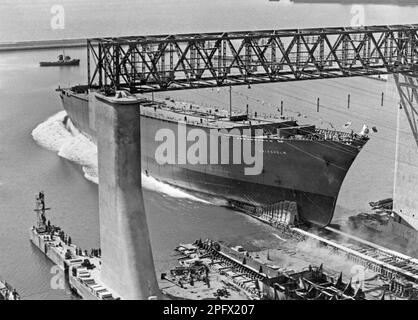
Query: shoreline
{"x": 42, "y": 44}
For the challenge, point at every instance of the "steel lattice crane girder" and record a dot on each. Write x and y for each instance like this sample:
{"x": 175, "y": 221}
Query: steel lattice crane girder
{"x": 176, "y": 62}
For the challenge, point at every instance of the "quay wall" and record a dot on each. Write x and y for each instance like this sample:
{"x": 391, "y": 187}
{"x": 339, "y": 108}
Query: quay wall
{"x": 42, "y": 44}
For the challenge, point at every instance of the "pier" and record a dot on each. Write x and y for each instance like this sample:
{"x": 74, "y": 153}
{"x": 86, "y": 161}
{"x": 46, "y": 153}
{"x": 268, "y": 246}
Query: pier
{"x": 388, "y": 263}
{"x": 376, "y": 258}
{"x": 80, "y": 269}
{"x": 400, "y": 270}
{"x": 239, "y": 272}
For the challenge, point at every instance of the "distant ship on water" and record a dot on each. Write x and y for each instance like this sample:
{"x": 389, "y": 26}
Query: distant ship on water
{"x": 63, "y": 60}
{"x": 301, "y": 163}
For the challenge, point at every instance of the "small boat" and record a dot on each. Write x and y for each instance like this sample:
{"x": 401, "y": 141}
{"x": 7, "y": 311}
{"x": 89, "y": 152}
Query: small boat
{"x": 63, "y": 60}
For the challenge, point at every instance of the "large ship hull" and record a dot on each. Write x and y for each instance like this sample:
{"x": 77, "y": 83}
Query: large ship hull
{"x": 307, "y": 172}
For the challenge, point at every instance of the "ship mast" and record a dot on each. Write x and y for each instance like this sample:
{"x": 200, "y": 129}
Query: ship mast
{"x": 40, "y": 212}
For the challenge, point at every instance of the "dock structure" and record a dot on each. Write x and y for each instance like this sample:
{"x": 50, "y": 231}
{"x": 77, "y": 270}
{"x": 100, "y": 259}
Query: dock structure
{"x": 42, "y": 44}
{"x": 400, "y": 270}
{"x": 125, "y": 270}
{"x": 313, "y": 282}
{"x": 81, "y": 269}
{"x": 258, "y": 281}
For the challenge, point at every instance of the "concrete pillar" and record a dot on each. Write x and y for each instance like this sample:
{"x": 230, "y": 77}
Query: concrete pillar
{"x": 127, "y": 262}
{"x": 405, "y": 197}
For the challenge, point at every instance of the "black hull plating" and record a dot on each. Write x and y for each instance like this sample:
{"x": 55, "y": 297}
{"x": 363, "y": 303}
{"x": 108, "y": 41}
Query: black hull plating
{"x": 312, "y": 207}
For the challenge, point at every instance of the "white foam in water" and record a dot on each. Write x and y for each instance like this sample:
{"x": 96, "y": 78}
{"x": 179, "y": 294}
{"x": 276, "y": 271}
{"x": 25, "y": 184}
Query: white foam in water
{"x": 71, "y": 144}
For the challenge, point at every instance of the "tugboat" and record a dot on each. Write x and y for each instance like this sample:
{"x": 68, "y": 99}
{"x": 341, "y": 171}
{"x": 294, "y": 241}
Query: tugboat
{"x": 63, "y": 60}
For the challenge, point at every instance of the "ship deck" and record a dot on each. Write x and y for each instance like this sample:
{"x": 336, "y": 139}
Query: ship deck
{"x": 274, "y": 126}
{"x": 207, "y": 117}
{"x": 211, "y": 118}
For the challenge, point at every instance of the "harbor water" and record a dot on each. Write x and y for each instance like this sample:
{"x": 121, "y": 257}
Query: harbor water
{"x": 62, "y": 164}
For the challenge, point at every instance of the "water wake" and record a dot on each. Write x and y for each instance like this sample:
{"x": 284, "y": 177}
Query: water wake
{"x": 58, "y": 134}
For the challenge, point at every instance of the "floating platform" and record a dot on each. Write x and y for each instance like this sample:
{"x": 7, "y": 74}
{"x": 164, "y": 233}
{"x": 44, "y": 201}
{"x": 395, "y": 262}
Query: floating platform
{"x": 81, "y": 268}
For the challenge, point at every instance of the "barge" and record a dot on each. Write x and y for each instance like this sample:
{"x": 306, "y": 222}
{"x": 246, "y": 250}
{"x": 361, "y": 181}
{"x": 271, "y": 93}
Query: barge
{"x": 80, "y": 268}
